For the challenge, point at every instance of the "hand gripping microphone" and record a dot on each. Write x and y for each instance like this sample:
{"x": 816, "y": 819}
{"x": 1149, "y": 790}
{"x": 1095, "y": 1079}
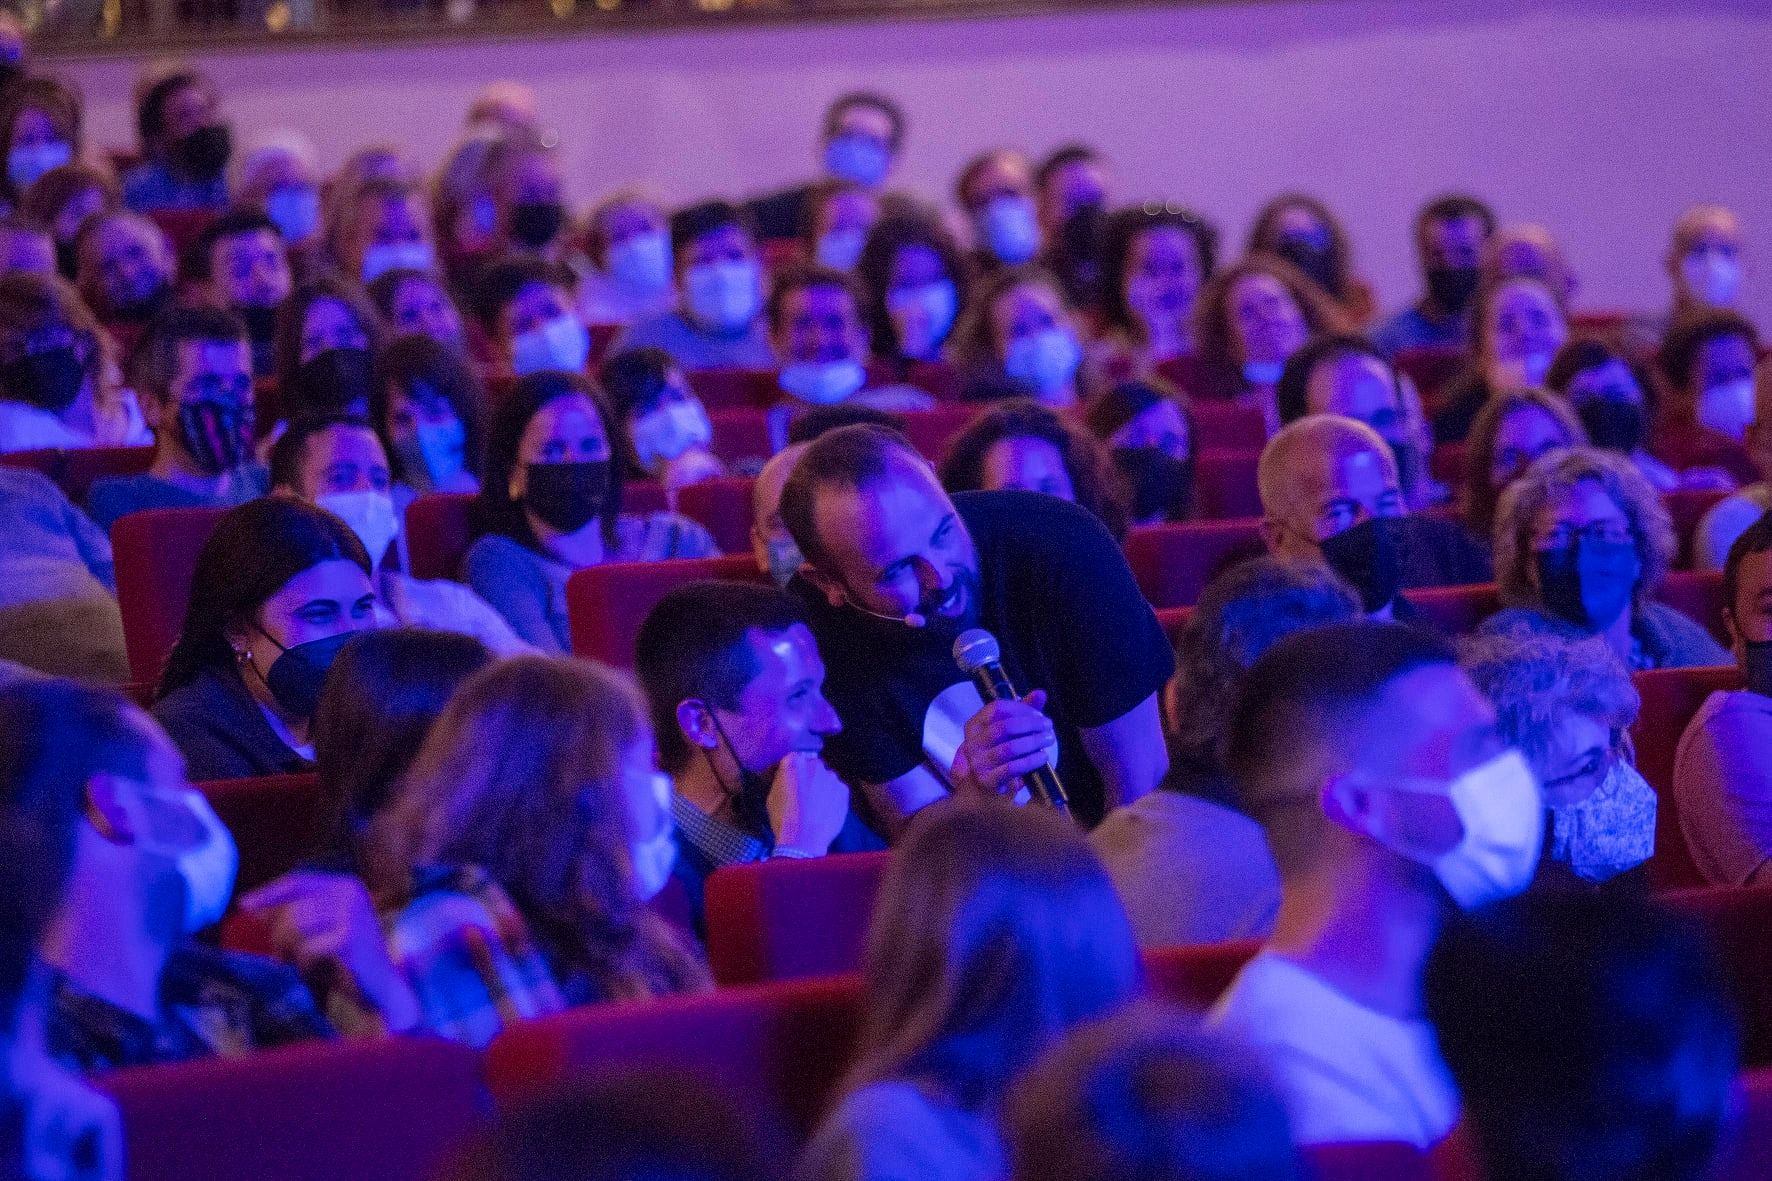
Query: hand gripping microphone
{"x": 979, "y": 657}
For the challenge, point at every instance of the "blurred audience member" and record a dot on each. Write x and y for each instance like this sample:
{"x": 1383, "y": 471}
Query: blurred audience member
{"x": 418, "y": 302}
{"x": 1150, "y": 439}
{"x": 327, "y": 335}
{"x": 1531, "y": 252}
{"x": 995, "y": 190}
{"x": 862, "y": 135}
{"x": 525, "y": 305}
{"x": 41, "y": 129}
{"x": 62, "y": 199}
{"x": 58, "y": 611}
{"x": 1155, "y": 260}
{"x": 125, "y": 273}
{"x": 665, "y": 426}
{"x": 1072, "y": 178}
{"x": 1300, "y": 229}
{"x": 628, "y": 245}
{"x": 1508, "y": 434}
{"x": 25, "y": 245}
{"x": 771, "y": 543}
{"x": 58, "y": 380}
{"x": 382, "y": 227}
{"x": 523, "y": 172}
{"x": 1449, "y": 235}
{"x": 1019, "y": 331}
{"x": 1248, "y": 321}
{"x": 185, "y": 141}
{"x": 1025, "y": 446}
{"x": 427, "y": 406}
{"x": 1708, "y": 359}
{"x": 1730, "y": 517}
{"x": 915, "y": 283}
{"x": 1615, "y": 401}
{"x": 1519, "y": 323}
{"x": 246, "y": 266}
{"x": 280, "y": 174}
{"x": 721, "y": 324}
{"x": 1345, "y": 375}
{"x": 1704, "y": 259}
{"x": 839, "y": 216}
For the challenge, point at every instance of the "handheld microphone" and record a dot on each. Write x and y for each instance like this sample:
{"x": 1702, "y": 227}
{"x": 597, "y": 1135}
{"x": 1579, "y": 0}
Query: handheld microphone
{"x": 979, "y": 657}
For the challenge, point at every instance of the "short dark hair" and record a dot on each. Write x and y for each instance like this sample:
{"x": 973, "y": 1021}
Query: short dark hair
{"x": 1452, "y": 207}
{"x": 866, "y": 98}
{"x": 291, "y": 446}
{"x": 150, "y": 112}
{"x": 801, "y": 276}
{"x": 817, "y": 421}
{"x": 848, "y": 457}
{"x": 1123, "y": 227}
{"x": 234, "y": 223}
{"x": 1292, "y": 393}
{"x": 1756, "y": 539}
{"x": 693, "y": 645}
{"x": 1312, "y": 682}
{"x": 1678, "y": 355}
{"x": 505, "y": 278}
{"x": 419, "y": 366}
{"x": 634, "y": 379}
{"x": 706, "y": 217}
{"x": 155, "y": 359}
{"x": 1064, "y": 156}
{"x": 1590, "y": 1034}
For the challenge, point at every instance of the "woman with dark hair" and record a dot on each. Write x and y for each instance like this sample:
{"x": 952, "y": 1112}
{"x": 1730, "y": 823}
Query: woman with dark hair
{"x": 1155, "y": 258}
{"x": 59, "y": 385}
{"x": 1509, "y": 433}
{"x": 327, "y": 335}
{"x": 916, "y": 281}
{"x": 40, "y": 130}
{"x": 1616, "y": 403}
{"x": 666, "y": 432}
{"x": 62, "y": 199}
{"x": 550, "y": 504}
{"x": 279, "y": 588}
{"x": 1248, "y": 321}
{"x": 1150, "y": 438}
{"x": 1300, "y": 229}
{"x": 1518, "y": 323}
{"x": 425, "y": 404}
{"x": 1023, "y": 445}
{"x": 996, "y": 932}
{"x": 417, "y": 301}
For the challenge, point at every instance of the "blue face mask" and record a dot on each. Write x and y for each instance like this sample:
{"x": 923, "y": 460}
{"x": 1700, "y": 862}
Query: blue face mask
{"x": 1589, "y": 582}
{"x": 26, "y": 162}
{"x": 1046, "y": 360}
{"x": 397, "y": 256}
{"x": 1010, "y": 230}
{"x": 295, "y": 211}
{"x": 642, "y": 262}
{"x": 923, "y": 316}
{"x": 859, "y": 158}
{"x": 841, "y": 249}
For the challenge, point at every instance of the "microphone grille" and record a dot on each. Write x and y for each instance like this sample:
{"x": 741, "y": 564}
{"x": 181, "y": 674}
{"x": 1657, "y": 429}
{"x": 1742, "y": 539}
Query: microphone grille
{"x": 976, "y": 648}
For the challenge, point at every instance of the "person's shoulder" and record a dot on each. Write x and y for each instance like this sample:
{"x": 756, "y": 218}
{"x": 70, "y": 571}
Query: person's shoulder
{"x": 1033, "y": 516}
{"x": 495, "y": 549}
{"x": 1686, "y": 641}
{"x": 22, "y": 484}
{"x": 660, "y": 535}
{"x": 199, "y": 966}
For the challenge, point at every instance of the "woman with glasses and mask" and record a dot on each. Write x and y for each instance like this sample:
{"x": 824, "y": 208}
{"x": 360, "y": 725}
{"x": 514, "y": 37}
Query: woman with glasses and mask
{"x": 279, "y": 588}
{"x": 550, "y": 504}
{"x": 1581, "y": 543}
{"x": 1568, "y": 707}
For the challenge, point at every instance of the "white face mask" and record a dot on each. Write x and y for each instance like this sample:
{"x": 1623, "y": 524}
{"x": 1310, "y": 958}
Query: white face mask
{"x": 208, "y": 867}
{"x": 1728, "y": 407}
{"x": 822, "y": 383}
{"x": 841, "y": 249}
{"x": 371, "y": 517}
{"x": 561, "y": 343}
{"x": 655, "y": 857}
{"x": 923, "y": 316}
{"x": 1502, "y": 813}
{"x": 784, "y": 560}
{"x": 1714, "y": 276}
{"x": 723, "y": 296}
{"x": 397, "y": 256}
{"x": 1010, "y": 230}
{"x": 1047, "y": 360}
{"x": 669, "y": 431}
{"x": 1263, "y": 372}
{"x": 641, "y": 263}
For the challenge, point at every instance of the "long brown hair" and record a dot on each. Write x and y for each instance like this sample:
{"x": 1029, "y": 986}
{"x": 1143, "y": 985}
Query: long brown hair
{"x": 996, "y": 930}
{"x": 1214, "y": 337}
{"x": 521, "y": 776}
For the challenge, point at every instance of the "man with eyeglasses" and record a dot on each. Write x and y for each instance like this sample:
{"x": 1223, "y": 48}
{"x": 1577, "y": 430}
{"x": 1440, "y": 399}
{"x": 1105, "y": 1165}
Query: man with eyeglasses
{"x": 193, "y": 374}
{"x": 1330, "y": 492}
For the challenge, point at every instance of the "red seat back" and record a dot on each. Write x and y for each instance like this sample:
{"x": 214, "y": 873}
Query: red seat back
{"x": 1687, "y": 507}
{"x": 182, "y": 227}
{"x": 1172, "y": 620}
{"x": 85, "y": 466}
{"x": 1737, "y": 919}
{"x": 1431, "y": 368}
{"x": 740, "y": 433}
{"x": 933, "y": 431}
{"x": 602, "y": 336}
{"x": 1450, "y": 463}
{"x": 721, "y": 389}
{"x": 438, "y": 533}
{"x": 1224, "y": 485}
{"x": 723, "y": 507}
{"x": 47, "y": 460}
{"x": 1227, "y": 426}
{"x": 1196, "y": 976}
{"x": 606, "y": 605}
{"x": 1670, "y": 697}
{"x": 278, "y": 822}
{"x": 938, "y": 379}
{"x": 386, "y": 1110}
{"x": 1173, "y": 563}
{"x": 784, "y": 1046}
{"x": 1184, "y": 373}
{"x": 778, "y": 920}
{"x": 156, "y": 553}
{"x": 1699, "y": 594}
{"x": 1455, "y": 610}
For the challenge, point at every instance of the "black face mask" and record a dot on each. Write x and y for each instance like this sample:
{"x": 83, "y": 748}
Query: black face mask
{"x": 299, "y": 674}
{"x": 1613, "y": 424}
{"x": 336, "y": 381}
{"x": 49, "y": 380}
{"x": 1756, "y": 667}
{"x": 535, "y": 223}
{"x": 216, "y": 435}
{"x": 261, "y": 323}
{"x": 1162, "y": 486}
{"x": 67, "y": 260}
{"x": 140, "y": 310}
{"x": 204, "y": 152}
{"x": 567, "y": 496}
{"x": 1452, "y": 287}
{"x": 1316, "y": 261}
{"x": 1368, "y": 558}
{"x": 751, "y": 801}
{"x": 1588, "y": 582}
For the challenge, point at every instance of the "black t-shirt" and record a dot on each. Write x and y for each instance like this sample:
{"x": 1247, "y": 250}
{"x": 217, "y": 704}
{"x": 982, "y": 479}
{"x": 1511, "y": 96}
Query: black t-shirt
{"x": 1056, "y": 592}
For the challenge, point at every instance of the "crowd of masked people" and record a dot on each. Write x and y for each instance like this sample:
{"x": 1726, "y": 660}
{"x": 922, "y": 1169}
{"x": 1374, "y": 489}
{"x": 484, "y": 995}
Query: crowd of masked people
{"x": 1441, "y": 845}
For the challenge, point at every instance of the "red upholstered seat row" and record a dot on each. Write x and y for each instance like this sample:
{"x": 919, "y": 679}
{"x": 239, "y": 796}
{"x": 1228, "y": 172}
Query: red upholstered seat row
{"x": 75, "y": 471}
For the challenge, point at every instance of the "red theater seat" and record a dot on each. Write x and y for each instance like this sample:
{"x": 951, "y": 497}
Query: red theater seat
{"x": 723, "y": 507}
{"x": 83, "y": 467}
{"x": 1687, "y": 507}
{"x": 45, "y": 460}
{"x": 156, "y": 552}
{"x": 607, "y": 604}
{"x": 1197, "y": 976}
{"x": 938, "y": 379}
{"x": 1737, "y": 919}
{"x": 1172, "y": 620}
{"x": 1184, "y": 374}
{"x": 1698, "y": 593}
{"x": 1431, "y": 368}
{"x": 603, "y": 336}
{"x": 740, "y": 433}
{"x": 1226, "y": 426}
{"x": 1455, "y": 610}
{"x": 438, "y": 533}
{"x": 385, "y": 1110}
{"x": 1173, "y": 563}
{"x": 722, "y": 389}
{"x": 1670, "y": 697}
{"x": 1450, "y": 464}
{"x": 182, "y": 227}
{"x": 779, "y": 920}
{"x": 278, "y": 822}
{"x": 933, "y": 431}
{"x": 1224, "y": 485}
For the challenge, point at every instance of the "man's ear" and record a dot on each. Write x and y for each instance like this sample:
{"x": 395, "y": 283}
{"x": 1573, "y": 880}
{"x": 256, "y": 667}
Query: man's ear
{"x": 1351, "y": 806}
{"x": 829, "y": 587}
{"x": 696, "y": 721}
{"x": 105, "y": 811}
{"x": 152, "y": 412}
{"x": 1272, "y": 531}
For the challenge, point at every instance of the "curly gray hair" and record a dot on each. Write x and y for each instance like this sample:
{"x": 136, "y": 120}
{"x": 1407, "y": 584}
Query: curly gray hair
{"x": 1534, "y": 680}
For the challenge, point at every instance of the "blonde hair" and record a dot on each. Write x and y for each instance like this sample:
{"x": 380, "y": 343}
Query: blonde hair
{"x": 1552, "y": 475}
{"x": 996, "y": 930}
{"x": 1479, "y": 491}
{"x": 1276, "y": 471}
{"x": 522, "y": 776}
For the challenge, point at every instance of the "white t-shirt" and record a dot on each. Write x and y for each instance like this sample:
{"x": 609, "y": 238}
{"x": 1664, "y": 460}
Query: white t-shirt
{"x": 1345, "y": 1072}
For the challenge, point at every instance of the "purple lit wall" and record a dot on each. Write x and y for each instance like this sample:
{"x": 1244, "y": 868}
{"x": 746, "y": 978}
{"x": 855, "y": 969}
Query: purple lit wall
{"x": 1602, "y": 118}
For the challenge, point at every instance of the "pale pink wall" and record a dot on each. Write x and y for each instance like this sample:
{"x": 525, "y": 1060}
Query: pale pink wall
{"x": 1601, "y": 117}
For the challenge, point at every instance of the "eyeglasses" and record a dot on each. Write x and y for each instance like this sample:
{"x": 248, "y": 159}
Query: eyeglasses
{"x": 1593, "y": 769}
{"x": 1563, "y": 535}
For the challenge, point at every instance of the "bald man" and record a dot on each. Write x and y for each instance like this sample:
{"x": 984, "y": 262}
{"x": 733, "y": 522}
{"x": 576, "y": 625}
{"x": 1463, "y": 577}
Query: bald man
{"x": 771, "y": 543}
{"x": 1330, "y": 492}
{"x": 1704, "y": 259}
